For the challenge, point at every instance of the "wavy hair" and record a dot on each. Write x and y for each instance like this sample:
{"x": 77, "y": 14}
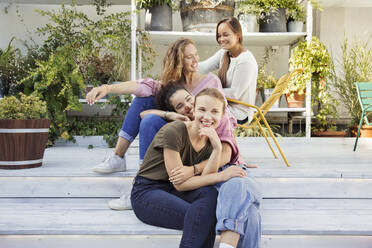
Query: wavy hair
{"x": 235, "y": 26}
{"x": 173, "y": 62}
{"x": 166, "y": 91}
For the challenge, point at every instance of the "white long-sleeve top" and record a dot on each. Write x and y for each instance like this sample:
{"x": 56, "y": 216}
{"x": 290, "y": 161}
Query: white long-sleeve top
{"x": 241, "y": 80}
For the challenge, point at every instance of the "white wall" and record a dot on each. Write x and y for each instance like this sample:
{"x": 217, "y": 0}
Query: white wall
{"x": 337, "y": 23}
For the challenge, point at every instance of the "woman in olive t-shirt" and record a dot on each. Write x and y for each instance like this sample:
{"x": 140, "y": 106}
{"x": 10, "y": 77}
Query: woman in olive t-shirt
{"x": 191, "y": 205}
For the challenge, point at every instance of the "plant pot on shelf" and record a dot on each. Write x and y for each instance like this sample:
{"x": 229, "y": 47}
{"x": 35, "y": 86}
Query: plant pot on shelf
{"x": 339, "y": 134}
{"x": 160, "y": 18}
{"x": 295, "y": 100}
{"x": 365, "y": 131}
{"x": 248, "y": 23}
{"x": 295, "y": 26}
{"x": 22, "y": 143}
{"x": 266, "y": 94}
{"x": 202, "y": 16}
{"x": 274, "y": 21}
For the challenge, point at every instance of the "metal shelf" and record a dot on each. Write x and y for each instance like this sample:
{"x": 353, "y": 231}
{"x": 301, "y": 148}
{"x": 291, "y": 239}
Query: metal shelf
{"x": 249, "y": 39}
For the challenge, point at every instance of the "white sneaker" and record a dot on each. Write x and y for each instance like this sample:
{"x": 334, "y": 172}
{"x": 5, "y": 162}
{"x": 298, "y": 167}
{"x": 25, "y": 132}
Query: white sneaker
{"x": 112, "y": 163}
{"x": 123, "y": 203}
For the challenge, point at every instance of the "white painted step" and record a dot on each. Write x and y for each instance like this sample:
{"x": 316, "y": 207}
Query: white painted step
{"x": 92, "y": 217}
{"x": 172, "y": 241}
{"x": 116, "y": 186}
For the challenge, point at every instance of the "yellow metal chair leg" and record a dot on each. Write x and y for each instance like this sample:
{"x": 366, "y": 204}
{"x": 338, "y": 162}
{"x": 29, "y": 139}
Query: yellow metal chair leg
{"x": 275, "y": 141}
{"x": 267, "y": 140}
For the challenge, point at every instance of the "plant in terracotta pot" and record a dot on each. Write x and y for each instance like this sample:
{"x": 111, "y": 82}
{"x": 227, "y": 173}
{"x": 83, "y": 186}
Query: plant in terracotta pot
{"x": 161, "y": 13}
{"x": 203, "y": 15}
{"x": 23, "y": 131}
{"x": 315, "y": 61}
{"x": 354, "y": 66}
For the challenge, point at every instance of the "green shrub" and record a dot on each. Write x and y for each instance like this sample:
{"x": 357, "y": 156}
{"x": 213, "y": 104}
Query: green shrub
{"x": 27, "y": 107}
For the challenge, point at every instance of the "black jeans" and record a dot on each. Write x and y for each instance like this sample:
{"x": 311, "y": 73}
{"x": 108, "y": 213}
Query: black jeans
{"x": 158, "y": 203}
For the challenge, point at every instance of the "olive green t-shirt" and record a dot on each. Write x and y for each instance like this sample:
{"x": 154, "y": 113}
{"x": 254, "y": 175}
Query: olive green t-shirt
{"x": 173, "y": 136}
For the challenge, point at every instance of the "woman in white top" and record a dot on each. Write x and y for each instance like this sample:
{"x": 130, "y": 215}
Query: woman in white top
{"x": 237, "y": 66}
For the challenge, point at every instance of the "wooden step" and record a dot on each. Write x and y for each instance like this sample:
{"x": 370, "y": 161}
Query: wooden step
{"x": 172, "y": 241}
{"x": 116, "y": 186}
{"x": 92, "y": 217}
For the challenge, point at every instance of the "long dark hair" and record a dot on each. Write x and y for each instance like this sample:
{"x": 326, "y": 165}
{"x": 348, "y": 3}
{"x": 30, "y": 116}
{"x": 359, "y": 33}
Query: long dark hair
{"x": 162, "y": 98}
{"x": 235, "y": 26}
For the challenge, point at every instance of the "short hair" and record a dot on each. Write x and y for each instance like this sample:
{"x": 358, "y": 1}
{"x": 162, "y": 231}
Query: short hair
{"x": 213, "y": 93}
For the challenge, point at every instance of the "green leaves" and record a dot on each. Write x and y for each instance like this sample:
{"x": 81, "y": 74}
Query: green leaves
{"x": 27, "y": 107}
{"x": 354, "y": 66}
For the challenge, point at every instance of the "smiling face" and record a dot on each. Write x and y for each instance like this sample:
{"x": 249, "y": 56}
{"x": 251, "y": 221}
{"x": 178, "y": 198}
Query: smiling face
{"x": 226, "y": 37}
{"x": 208, "y": 111}
{"x": 190, "y": 58}
{"x": 183, "y": 103}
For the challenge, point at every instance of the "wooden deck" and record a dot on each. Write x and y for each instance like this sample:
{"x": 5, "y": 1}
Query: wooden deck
{"x": 323, "y": 200}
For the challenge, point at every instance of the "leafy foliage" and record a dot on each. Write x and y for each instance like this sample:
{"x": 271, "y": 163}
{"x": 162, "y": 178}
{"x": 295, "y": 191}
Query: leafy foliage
{"x": 355, "y": 66}
{"x": 27, "y": 107}
{"x": 255, "y": 131}
{"x": 80, "y": 50}
{"x": 316, "y": 61}
{"x": 265, "y": 80}
{"x": 148, "y": 4}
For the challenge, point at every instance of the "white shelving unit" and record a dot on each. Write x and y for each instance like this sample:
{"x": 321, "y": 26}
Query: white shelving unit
{"x": 249, "y": 39}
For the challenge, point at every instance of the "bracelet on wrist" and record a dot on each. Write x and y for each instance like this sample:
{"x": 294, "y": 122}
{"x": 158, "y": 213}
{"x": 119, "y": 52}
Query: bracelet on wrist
{"x": 165, "y": 115}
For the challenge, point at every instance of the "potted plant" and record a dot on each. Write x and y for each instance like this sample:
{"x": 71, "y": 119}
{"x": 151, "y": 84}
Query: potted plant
{"x": 23, "y": 131}
{"x": 315, "y": 61}
{"x": 247, "y": 14}
{"x": 272, "y": 17}
{"x": 203, "y": 15}
{"x": 296, "y": 16}
{"x": 355, "y": 66}
{"x": 160, "y": 11}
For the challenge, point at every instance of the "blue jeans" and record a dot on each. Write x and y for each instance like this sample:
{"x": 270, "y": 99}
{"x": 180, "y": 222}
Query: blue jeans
{"x": 132, "y": 120}
{"x": 238, "y": 209}
{"x": 149, "y": 126}
{"x": 158, "y": 203}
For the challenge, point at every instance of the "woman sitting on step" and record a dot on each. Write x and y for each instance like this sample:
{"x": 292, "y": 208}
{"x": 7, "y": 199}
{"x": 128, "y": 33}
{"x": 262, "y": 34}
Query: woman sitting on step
{"x": 186, "y": 203}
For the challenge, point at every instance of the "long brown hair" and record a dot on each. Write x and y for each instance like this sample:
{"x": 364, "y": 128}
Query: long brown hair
{"x": 235, "y": 26}
{"x": 173, "y": 62}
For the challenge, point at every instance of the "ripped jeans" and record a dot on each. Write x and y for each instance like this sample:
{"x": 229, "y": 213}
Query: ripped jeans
{"x": 238, "y": 209}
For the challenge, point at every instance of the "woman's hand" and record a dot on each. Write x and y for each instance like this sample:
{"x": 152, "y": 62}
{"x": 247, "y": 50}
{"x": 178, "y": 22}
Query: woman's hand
{"x": 173, "y": 116}
{"x": 212, "y": 136}
{"x": 232, "y": 171}
{"x": 96, "y": 93}
{"x": 181, "y": 174}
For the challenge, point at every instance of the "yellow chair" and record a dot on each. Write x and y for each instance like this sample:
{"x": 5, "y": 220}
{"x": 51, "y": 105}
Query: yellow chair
{"x": 259, "y": 115}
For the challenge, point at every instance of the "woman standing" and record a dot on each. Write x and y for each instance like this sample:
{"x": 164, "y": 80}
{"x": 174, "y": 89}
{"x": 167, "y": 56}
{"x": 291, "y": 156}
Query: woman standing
{"x": 237, "y": 67}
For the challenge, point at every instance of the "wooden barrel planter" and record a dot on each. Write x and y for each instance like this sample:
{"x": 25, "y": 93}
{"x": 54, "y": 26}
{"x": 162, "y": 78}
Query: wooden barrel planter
{"x": 22, "y": 143}
{"x": 198, "y": 16}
